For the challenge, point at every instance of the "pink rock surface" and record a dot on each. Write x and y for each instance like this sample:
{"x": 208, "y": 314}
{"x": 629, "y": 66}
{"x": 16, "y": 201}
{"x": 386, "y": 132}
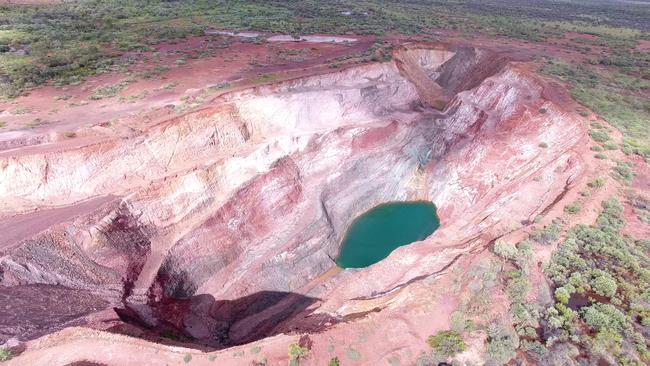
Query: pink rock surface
{"x": 230, "y": 216}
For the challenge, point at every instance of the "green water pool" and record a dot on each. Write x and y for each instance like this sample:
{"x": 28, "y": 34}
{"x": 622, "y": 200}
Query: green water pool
{"x": 382, "y": 229}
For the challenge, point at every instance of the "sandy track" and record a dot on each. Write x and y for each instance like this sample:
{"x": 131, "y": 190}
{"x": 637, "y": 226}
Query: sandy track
{"x": 18, "y": 228}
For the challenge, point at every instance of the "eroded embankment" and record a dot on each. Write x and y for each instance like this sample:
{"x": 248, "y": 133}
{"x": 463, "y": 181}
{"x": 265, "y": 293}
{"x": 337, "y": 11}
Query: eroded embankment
{"x": 249, "y": 197}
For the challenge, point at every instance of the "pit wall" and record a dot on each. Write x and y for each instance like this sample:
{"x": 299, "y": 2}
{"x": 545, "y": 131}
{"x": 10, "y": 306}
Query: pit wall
{"x": 255, "y": 192}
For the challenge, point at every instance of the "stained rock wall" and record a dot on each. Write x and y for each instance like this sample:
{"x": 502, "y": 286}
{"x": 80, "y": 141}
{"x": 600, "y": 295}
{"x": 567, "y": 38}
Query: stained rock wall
{"x": 253, "y": 193}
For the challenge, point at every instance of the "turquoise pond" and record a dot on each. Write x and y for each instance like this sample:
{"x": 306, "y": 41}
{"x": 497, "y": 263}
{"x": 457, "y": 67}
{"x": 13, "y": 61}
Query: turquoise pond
{"x": 382, "y": 229}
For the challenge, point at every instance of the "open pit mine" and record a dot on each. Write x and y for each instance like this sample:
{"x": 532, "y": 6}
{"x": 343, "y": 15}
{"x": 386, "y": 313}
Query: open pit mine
{"x": 221, "y": 227}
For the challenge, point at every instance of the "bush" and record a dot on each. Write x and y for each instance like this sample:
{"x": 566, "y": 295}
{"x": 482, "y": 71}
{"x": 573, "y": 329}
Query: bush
{"x": 169, "y": 334}
{"x": 502, "y": 344}
{"x": 597, "y": 183}
{"x": 459, "y": 324}
{"x": 623, "y": 171}
{"x": 518, "y": 286}
{"x": 108, "y": 91}
{"x": 562, "y": 295}
{"x": 603, "y": 316}
{"x": 5, "y": 354}
{"x": 334, "y": 362}
{"x": 600, "y": 156}
{"x": 296, "y": 351}
{"x": 573, "y": 208}
{"x": 447, "y": 343}
{"x": 352, "y": 353}
{"x": 600, "y": 136}
{"x": 504, "y": 249}
{"x": 546, "y": 235}
{"x": 596, "y": 124}
{"x": 543, "y": 145}
{"x": 604, "y": 284}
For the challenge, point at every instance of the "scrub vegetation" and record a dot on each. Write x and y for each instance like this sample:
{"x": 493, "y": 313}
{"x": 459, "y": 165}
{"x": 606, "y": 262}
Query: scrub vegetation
{"x": 296, "y": 352}
{"x": 5, "y": 354}
{"x": 67, "y": 41}
{"x": 618, "y": 91}
{"x": 602, "y": 292}
{"x": 447, "y": 343}
{"x": 598, "y": 312}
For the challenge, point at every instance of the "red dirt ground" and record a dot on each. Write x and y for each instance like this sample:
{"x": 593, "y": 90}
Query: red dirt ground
{"x": 56, "y": 110}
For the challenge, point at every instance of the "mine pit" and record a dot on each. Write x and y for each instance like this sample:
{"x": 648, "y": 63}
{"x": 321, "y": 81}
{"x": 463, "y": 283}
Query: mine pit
{"x": 231, "y": 223}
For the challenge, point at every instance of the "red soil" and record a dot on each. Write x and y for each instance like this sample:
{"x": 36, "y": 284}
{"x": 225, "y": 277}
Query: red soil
{"x": 70, "y": 108}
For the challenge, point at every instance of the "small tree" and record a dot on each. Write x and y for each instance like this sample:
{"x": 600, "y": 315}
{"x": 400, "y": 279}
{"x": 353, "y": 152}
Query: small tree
{"x": 562, "y": 295}
{"x": 502, "y": 343}
{"x": 5, "y": 354}
{"x": 504, "y": 249}
{"x": 296, "y": 352}
{"x": 447, "y": 343}
{"x": 604, "y": 284}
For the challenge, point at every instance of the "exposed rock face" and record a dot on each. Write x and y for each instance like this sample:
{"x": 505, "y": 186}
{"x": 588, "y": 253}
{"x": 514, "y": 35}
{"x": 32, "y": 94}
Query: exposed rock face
{"x": 252, "y": 195}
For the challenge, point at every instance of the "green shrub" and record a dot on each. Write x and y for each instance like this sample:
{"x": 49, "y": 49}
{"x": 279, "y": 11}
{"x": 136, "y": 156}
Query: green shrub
{"x": 108, "y": 91}
{"x": 459, "y": 324}
{"x": 187, "y": 358}
{"x": 600, "y": 156}
{"x": 36, "y": 122}
{"x": 640, "y": 205}
{"x": 546, "y": 235}
{"x": 518, "y": 286}
{"x": 169, "y": 334}
{"x": 600, "y": 136}
{"x": 352, "y": 354}
{"x": 610, "y": 146}
{"x": 623, "y": 171}
{"x": 562, "y": 295}
{"x": 504, "y": 249}
{"x": 597, "y": 125}
{"x": 447, "y": 343}
{"x": 573, "y": 208}
{"x": 502, "y": 344}
{"x": 596, "y": 148}
{"x": 334, "y": 362}
{"x": 296, "y": 352}
{"x": 604, "y": 284}
{"x": 22, "y": 110}
{"x": 542, "y": 110}
{"x": 5, "y": 354}
{"x": 601, "y": 316}
{"x": 597, "y": 183}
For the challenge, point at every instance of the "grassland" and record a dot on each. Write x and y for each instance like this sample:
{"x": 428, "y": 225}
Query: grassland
{"x": 65, "y": 42}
